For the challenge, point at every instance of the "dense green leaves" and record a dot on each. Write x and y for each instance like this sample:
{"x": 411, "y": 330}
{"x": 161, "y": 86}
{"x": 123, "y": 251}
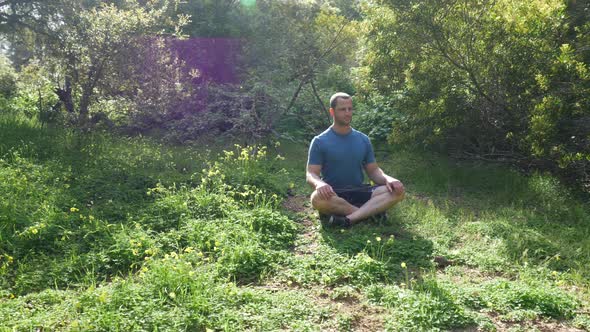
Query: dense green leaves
{"x": 499, "y": 79}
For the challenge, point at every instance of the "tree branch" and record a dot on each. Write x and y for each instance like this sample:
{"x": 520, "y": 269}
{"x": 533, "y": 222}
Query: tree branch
{"x": 310, "y": 74}
{"x": 315, "y": 93}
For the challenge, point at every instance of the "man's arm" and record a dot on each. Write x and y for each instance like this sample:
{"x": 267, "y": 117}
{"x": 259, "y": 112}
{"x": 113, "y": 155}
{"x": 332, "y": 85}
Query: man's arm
{"x": 376, "y": 174}
{"x": 315, "y": 181}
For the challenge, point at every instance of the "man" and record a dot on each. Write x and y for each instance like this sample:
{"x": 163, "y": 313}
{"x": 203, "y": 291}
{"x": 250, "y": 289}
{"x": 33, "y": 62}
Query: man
{"x": 337, "y": 158}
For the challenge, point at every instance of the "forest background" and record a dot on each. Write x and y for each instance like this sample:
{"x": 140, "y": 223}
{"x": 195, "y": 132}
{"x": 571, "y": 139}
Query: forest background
{"x": 494, "y": 80}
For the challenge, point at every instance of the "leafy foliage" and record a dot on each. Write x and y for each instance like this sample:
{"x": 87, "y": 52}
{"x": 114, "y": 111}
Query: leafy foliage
{"x": 459, "y": 67}
{"x": 430, "y": 307}
{"x": 7, "y": 79}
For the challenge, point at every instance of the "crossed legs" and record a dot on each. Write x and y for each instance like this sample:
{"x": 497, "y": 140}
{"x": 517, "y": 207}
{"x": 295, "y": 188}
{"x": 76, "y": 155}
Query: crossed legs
{"x": 381, "y": 200}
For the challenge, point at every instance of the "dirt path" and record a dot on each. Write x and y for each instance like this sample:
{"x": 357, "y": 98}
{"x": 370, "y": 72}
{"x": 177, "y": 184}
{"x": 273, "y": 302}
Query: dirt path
{"x": 350, "y": 311}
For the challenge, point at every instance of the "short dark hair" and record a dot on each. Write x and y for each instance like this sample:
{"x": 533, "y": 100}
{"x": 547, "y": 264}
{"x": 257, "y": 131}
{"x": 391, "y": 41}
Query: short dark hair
{"x": 334, "y": 98}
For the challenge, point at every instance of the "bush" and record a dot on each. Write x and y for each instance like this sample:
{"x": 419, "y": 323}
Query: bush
{"x": 35, "y": 96}
{"x": 481, "y": 99}
{"x": 7, "y": 79}
{"x": 376, "y": 116}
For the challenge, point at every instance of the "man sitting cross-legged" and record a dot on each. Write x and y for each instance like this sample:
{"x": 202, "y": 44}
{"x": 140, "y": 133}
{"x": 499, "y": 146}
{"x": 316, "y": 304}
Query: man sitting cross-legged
{"x": 337, "y": 158}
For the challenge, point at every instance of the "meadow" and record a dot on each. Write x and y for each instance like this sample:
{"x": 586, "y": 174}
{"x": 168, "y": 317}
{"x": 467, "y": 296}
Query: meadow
{"x": 100, "y": 232}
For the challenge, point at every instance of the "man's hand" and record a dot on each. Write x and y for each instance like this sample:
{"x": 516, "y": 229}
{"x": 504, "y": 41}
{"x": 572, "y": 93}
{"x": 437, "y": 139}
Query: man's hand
{"x": 395, "y": 186}
{"x": 325, "y": 191}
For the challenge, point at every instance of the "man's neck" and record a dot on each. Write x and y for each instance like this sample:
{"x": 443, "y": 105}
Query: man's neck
{"x": 342, "y": 130}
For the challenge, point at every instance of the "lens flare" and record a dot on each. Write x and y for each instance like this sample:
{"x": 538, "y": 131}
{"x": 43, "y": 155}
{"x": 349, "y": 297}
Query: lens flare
{"x": 248, "y": 3}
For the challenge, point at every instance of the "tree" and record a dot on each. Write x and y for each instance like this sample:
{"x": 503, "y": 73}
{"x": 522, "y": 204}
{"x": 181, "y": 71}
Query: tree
{"x": 473, "y": 76}
{"x": 292, "y": 56}
{"x": 30, "y": 14}
{"x": 299, "y": 51}
{"x": 90, "y": 48}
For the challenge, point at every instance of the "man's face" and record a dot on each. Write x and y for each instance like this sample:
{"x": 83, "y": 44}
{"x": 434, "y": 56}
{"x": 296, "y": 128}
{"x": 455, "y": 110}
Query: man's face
{"x": 342, "y": 113}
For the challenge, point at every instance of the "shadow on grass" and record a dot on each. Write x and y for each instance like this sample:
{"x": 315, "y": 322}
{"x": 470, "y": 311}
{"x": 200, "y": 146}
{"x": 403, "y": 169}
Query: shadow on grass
{"x": 492, "y": 210}
{"x": 386, "y": 241}
{"x": 107, "y": 174}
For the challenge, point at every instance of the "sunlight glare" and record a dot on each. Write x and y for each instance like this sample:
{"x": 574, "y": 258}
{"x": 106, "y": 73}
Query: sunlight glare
{"x": 248, "y": 3}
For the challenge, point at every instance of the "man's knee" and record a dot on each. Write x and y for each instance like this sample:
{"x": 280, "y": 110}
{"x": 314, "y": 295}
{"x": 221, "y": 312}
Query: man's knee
{"x": 334, "y": 204}
{"x": 392, "y": 197}
{"x": 400, "y": 194}
{"x": 397, "y": 196}
{"x": 318, "y": 202}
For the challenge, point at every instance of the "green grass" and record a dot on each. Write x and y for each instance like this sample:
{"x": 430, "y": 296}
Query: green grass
{"x": 101, "y": 232}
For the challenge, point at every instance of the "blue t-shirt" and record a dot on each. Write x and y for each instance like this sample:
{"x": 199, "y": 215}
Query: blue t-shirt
{"x": 342, "y": 157}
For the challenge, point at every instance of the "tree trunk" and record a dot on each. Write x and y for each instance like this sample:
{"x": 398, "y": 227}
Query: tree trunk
{"x": 65, "y": 96}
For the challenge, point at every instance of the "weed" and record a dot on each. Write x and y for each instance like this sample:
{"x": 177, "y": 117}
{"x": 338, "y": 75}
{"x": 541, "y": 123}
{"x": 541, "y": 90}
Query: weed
{"x": 506, "y": 297}
{"x": 244, "y": 262}
{"x": 427, "y": 307}
{"x": 273, "y": 229}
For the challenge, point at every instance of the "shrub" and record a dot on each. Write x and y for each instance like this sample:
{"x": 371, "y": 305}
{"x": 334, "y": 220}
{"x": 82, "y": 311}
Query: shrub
{"x": 7, "y": 79}
{"x": 494, "y": 105}
{"x": 35, "y": 96}
{"x": 375, "y": 117}
{"x": 223, "y": 109}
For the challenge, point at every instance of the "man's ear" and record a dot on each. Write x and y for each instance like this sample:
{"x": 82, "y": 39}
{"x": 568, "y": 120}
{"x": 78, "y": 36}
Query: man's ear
{"x": 331, "y": 111}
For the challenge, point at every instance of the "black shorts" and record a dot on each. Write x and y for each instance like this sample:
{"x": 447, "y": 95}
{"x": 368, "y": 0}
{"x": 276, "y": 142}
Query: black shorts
{"x": 356, "y": 196}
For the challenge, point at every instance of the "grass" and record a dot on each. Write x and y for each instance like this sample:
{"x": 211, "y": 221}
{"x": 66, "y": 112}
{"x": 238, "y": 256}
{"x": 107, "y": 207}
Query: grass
{"x": 100, "y": 232}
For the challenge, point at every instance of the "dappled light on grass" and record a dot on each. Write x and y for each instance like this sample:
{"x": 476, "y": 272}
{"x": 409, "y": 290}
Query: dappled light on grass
{"x": 125, "y": 233}
{"x": 386, "y": 242}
